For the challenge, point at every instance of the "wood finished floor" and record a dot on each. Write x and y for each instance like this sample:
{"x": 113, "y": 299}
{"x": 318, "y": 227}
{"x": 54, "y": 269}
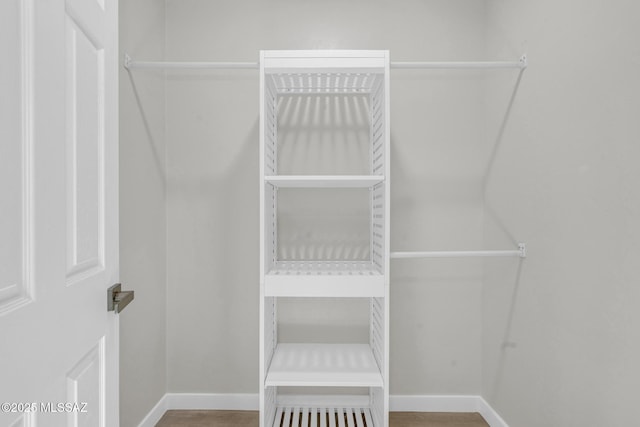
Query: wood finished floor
{"x": 250, "y": 419}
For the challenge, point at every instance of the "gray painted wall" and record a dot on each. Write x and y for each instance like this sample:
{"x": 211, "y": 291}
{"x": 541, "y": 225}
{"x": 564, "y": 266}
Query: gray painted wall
{"x": 566, "y": 181}
{"x": 438, "y": 157}
{"x": 143, "y": 378}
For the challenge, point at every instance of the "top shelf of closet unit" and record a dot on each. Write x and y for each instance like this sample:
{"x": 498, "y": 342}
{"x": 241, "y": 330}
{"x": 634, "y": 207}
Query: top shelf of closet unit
{"x": 324, "y": 181}
{"x": 324, "y": 71}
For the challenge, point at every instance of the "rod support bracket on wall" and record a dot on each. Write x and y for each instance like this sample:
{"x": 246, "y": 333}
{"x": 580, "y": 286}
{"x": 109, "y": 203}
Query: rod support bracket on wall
{"x": 127, "y": 61}
{"x": 523, "y": 61}
{"x": 523, "y": 250}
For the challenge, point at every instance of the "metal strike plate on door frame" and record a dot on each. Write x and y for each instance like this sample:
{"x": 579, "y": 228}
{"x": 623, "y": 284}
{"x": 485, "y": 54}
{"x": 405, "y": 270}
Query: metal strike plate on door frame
{"x": 117, "y": 299}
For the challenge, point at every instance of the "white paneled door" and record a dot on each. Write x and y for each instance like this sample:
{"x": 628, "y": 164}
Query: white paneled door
{"x": 58, "y": 213}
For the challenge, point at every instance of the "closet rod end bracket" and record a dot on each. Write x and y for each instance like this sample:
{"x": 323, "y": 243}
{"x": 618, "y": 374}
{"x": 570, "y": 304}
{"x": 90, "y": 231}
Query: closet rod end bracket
{"x": 127, "y": 61}
{"x": 523, "y": 250}
{"x": 523, "y": 61}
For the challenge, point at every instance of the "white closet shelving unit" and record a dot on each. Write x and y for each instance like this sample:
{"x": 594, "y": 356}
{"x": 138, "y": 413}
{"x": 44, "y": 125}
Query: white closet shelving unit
{"x": 314, "y": 367}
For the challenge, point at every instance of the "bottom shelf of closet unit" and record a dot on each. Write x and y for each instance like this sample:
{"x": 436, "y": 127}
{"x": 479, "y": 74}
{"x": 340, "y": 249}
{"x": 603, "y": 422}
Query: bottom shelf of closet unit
{"x": 320, "y": 365}
{"x": 323, "y": 417}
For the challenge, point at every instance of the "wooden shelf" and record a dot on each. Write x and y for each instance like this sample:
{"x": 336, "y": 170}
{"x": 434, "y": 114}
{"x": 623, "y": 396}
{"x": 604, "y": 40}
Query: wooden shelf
{"x": 337, "y": 365}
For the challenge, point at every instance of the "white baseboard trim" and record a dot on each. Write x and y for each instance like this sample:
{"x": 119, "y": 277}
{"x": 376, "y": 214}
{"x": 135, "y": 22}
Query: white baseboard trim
{"x": 433, "y": 403}
{"x": 249, "y": 402}
{"x": 447, "y": 403}
{"x": 205, "y": 401}
{"x": 319, "y": 401}
{"x": 232, "y": 402}
{"x": 155, "y": 414}
{"x": 490, "y": 415}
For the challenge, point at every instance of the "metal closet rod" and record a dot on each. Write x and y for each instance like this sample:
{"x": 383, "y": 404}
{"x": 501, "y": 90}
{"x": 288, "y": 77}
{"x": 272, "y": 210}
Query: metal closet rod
{"x": 131, "y": 64}
{"x": 520, "y": 64}
{"x": 520, "y": 252}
